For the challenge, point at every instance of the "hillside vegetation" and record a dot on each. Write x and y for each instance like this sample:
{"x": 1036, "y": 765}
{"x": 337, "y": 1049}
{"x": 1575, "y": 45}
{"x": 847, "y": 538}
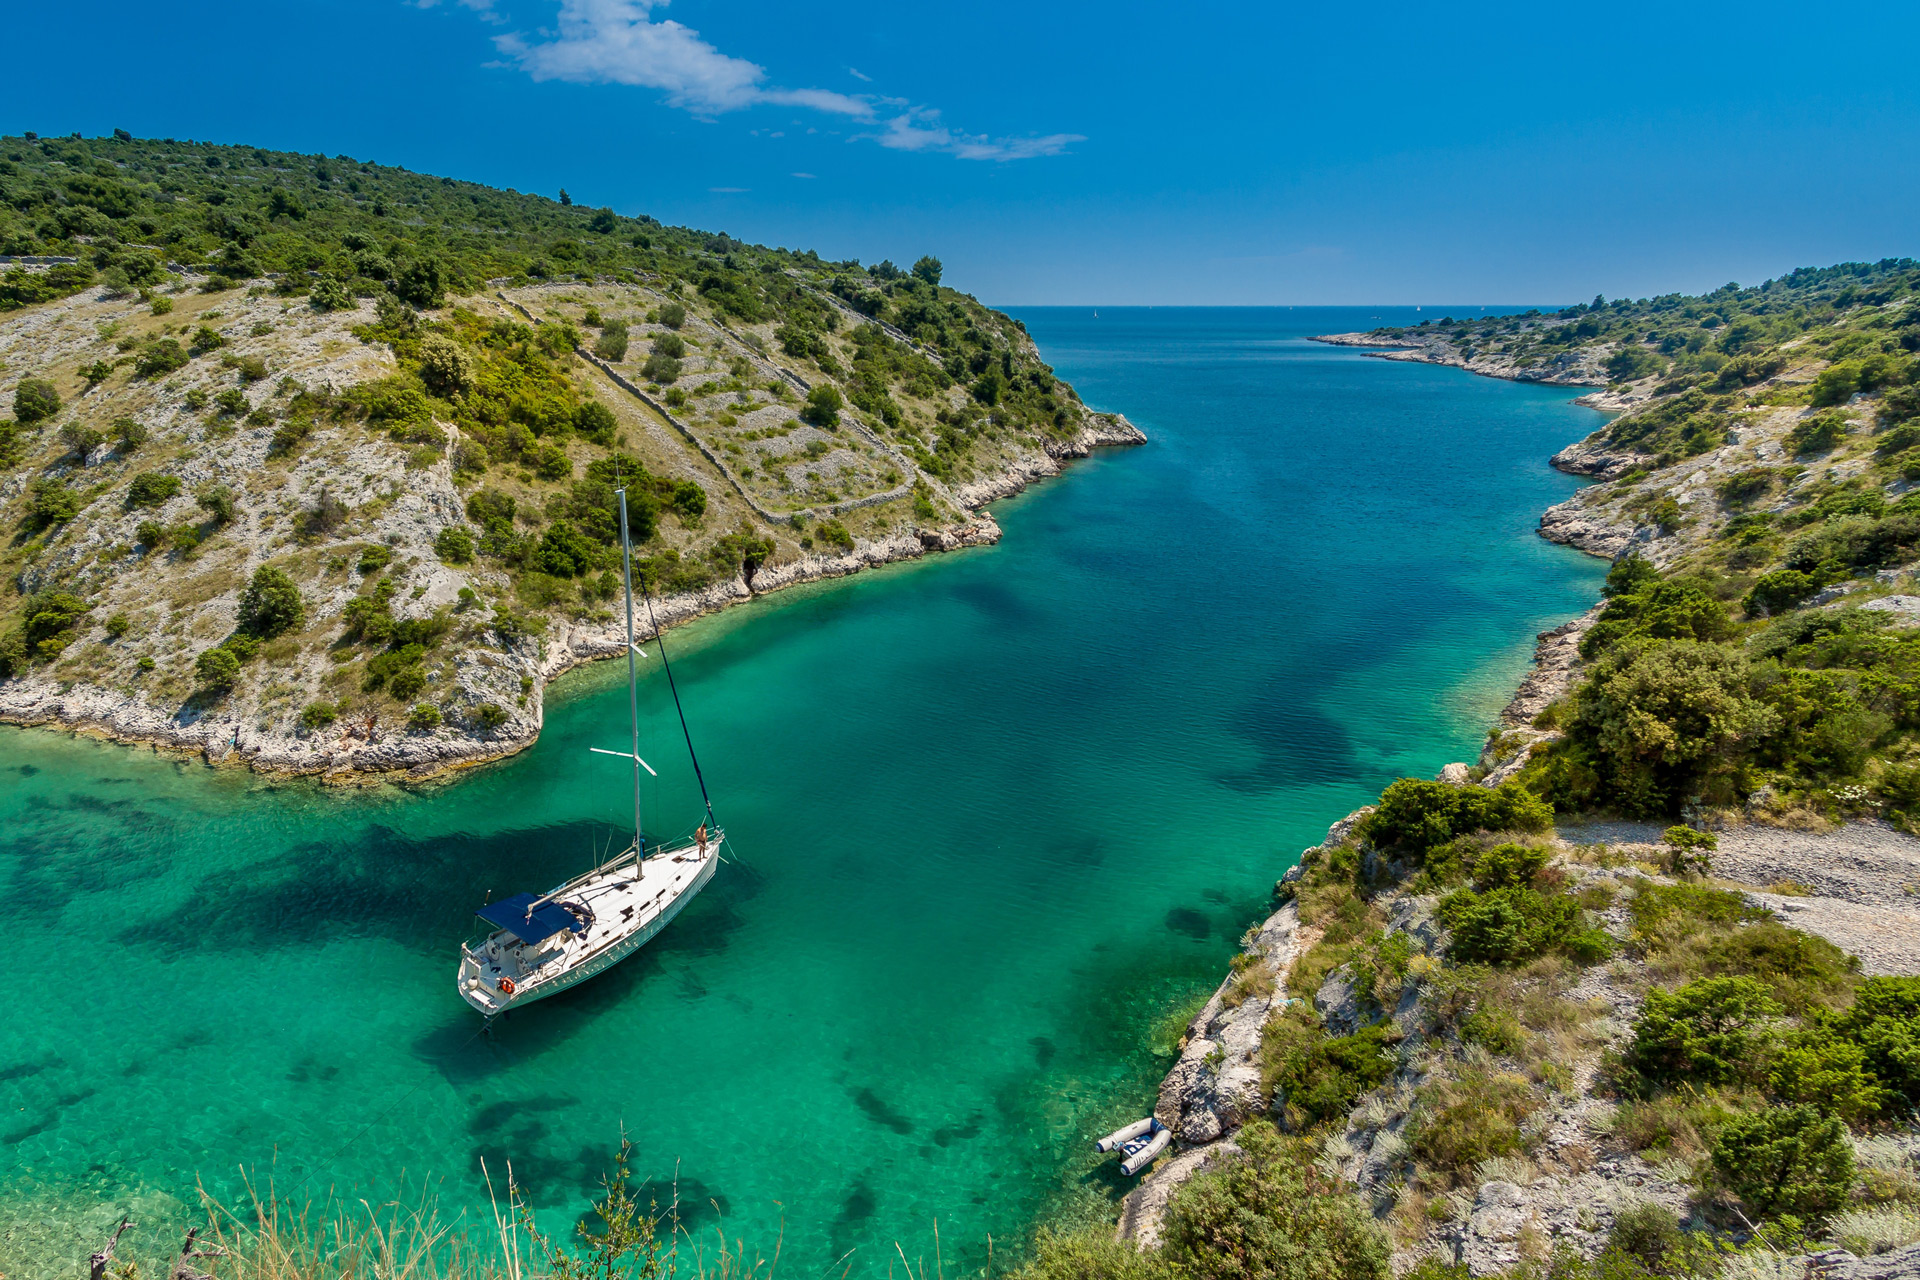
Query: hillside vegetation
{"x": 1756, "y": 650}
{"x": 303, "y": 445}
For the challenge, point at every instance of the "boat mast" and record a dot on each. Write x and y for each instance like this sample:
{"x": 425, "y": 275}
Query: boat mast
{"x": 633, "y": 687}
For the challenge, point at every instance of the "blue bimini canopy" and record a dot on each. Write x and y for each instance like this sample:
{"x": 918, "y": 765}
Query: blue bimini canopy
{"x": 518, "y": 916}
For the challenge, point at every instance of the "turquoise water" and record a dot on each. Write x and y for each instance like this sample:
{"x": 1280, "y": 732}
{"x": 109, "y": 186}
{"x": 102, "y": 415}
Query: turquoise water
{"x": 993, "y": 814}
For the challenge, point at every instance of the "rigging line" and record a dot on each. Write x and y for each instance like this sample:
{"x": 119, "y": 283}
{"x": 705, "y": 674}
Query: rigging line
{"x": 661, "y": 641}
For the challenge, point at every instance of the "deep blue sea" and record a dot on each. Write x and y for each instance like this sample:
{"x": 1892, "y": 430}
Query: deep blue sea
{"x": 994, "y": 814}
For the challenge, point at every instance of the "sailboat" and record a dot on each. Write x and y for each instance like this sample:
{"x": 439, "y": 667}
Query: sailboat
{"x": 543, "y": 944}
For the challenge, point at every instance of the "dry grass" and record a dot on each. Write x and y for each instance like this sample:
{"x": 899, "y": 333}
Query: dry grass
{"x": 266, "y": 1238}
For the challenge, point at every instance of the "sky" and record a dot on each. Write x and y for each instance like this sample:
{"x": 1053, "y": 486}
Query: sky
{"x": 1277, "y": 154}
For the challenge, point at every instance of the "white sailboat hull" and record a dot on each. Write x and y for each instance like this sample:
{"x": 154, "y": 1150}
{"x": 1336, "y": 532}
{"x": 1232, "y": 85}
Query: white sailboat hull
{"x": 626, "y": 913}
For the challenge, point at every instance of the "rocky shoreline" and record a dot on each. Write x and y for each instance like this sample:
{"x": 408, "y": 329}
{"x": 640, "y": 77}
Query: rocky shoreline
{"x": 223, "y": 739}
{"x": 1852, "y": 886}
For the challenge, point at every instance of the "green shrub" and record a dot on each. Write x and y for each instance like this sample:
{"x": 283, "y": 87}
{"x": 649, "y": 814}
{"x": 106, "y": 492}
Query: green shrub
{"x": 128, "y": 434}
{"x": 1632, "y": 363}
{"x": 1743, "y": 487}
{"x": 454, "y": 545}
{"x": 673, "y": 315}
{"x": 402, "y": 657}
{"x": 206, "y": 338}
{"x": 217, "y": 501}
{"x": 318, "y": 715}
{"x": 1495, "y": 1029}
{"x": 445, "y": 366}
{"x": 1316, "y": 1078}
{"x": 1690, "y": 850}
{"x": 823, "y": 406}
{"x": 489, "y": 716}
{"x": 421, "y": 283}
{"x": 271, "y": 605}
{"x": 1646, "y": 1241}
{"x": 595, "y": 422}
{"x": 1090, "y": 1255}
{"x": 1652, "y": 607}
{"x": 49, "y": 622}
{"x": 1785, "y": 1160}
{"x": 159, "y": 358}
{"x": 406, "y": 682}
{"x": 660, "y": 368}
{"x": 1508, "y": 866}
{"x": 1660, "y": 720}
{"x": 424, "y": 717}
{"x": 35, "y": 400}
{"x": 689, "y": 500}
{"x": 671, "y": 345}
{"x": 50, "y": 502}
{"x": 1416, "y": 815}
{"x": 1837, "y": 383}
{"x": 835, "y": 534}
{"x": 118, "y": 625}
{"x": 151, "y": 489}
{"x": 1515, "y": 924}
{"x": 290, "y": 435}
{"x": 1885, "y": 1022}
{"x": 1817, "y": 434}
{"x": 217, "y": 668}
{"x": 611, "y": 345}
{"x": 81, "y": 439}
{"x": 1271, "y": 1213}
{"x": 1779, "y": 591}
{"x": 1712, "y": 1031}
{"x": 329, "y": 294}
{"x": 1828, "y": 1072}
{"x": 373, "y": 558}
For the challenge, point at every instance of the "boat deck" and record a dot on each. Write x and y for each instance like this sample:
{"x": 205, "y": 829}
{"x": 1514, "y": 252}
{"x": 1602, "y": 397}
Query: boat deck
{"x": 622, "y": 911}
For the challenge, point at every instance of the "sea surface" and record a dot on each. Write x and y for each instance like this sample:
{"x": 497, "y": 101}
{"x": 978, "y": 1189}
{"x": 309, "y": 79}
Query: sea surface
{"x": 993, "y": 814}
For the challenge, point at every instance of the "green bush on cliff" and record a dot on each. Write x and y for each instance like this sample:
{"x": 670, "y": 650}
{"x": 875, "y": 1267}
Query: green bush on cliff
{"x": 1885, "y": 1021}
{"x": 1415, "y": 815}
{"x": 1656, "y": 722}
{"x": 1516, "y": 923}
{"x": 271, "y": 604}
{"x": 1785, "y": 1160}
{"x": 1272, "y": 1213}
{"x": 1715, "y": 1031}
{"x": 1642, "y": 603}
{"x": 1091, "y": 1255}
{"x": 1314, "y": 1077}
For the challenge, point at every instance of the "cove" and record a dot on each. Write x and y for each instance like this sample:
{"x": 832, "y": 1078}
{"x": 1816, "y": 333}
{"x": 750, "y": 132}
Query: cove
{"x": 993, "y": 813}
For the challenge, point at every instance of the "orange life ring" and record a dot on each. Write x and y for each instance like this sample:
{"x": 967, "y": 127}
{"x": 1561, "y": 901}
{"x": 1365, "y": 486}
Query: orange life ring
{"x": 506, "y": 986}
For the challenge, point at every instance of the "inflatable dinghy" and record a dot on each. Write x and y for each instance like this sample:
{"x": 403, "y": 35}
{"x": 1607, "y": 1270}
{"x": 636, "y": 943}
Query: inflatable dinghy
{"x": 1139, "y": 1144}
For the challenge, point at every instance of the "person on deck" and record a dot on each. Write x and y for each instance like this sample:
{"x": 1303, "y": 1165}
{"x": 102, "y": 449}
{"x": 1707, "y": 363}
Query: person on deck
{"x": 701, "y": 837}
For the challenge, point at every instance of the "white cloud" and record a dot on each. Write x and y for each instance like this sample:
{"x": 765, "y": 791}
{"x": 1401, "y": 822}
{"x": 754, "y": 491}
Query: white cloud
{"x": 919, "y": 129}
{"x": 618, "y": 42}
{"x": 482, "y": 7}
{"x": 621, "y": 42}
